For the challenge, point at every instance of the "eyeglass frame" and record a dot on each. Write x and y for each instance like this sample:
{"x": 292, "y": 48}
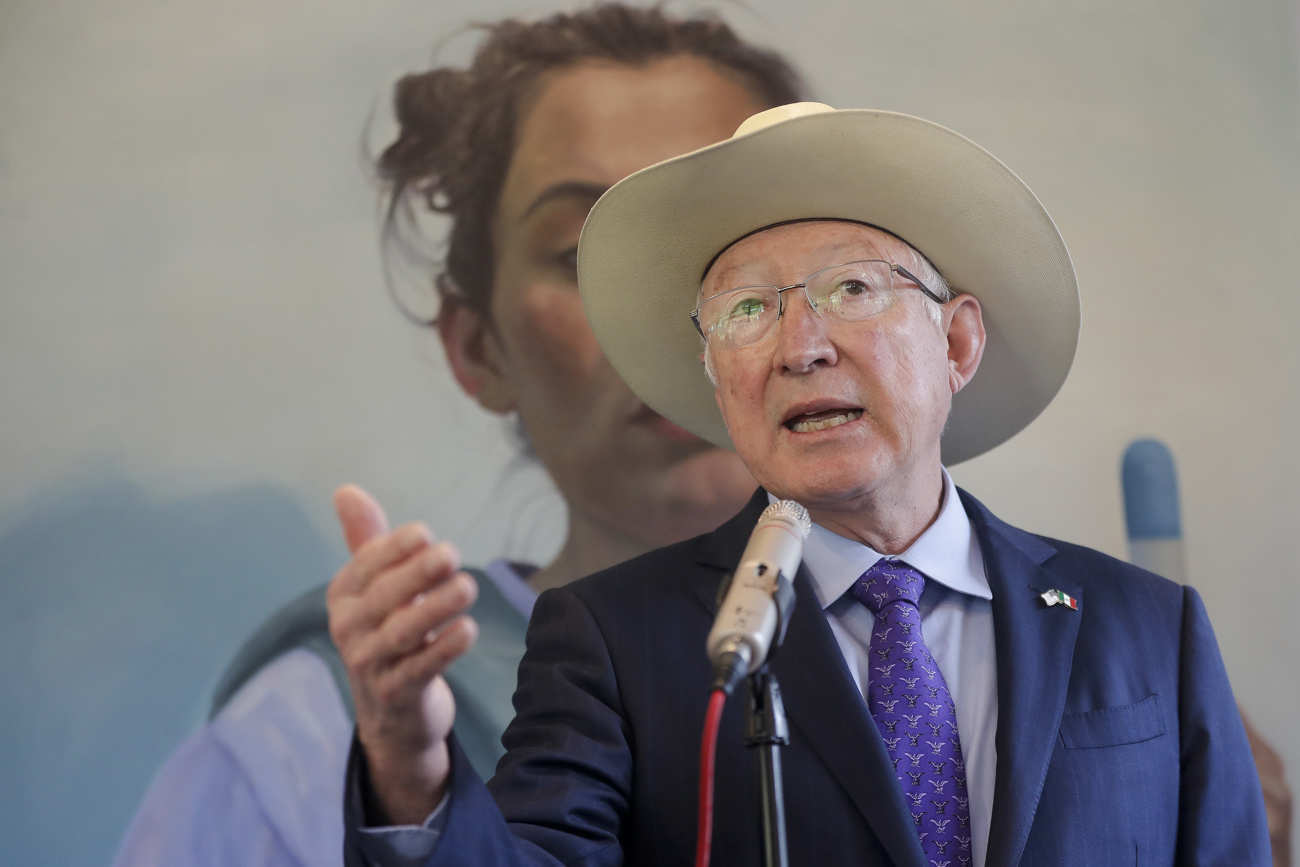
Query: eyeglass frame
{"x": 894, "y": 268}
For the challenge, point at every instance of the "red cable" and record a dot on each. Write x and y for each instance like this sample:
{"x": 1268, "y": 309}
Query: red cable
{"x": 708, "y": 750}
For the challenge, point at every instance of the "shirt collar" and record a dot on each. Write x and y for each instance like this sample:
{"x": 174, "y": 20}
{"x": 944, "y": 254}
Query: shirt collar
{"x": 947, "y": 552}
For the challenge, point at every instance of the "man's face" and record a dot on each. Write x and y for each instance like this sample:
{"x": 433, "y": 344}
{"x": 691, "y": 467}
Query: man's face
{"x": 835, "y": 414}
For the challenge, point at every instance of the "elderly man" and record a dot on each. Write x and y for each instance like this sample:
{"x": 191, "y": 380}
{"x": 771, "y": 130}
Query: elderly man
{"x": 958, "y": 691}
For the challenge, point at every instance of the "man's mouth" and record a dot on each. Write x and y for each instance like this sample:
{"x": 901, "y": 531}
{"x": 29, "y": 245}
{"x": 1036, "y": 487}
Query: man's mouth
{"x": 816, "y": 421}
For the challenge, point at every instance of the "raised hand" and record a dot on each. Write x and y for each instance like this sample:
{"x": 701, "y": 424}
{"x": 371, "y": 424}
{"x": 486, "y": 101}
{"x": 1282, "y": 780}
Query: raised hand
{"x": 397, "y": 615}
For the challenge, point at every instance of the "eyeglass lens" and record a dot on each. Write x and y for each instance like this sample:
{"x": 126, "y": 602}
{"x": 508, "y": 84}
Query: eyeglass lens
{"x": 848, "y": 292}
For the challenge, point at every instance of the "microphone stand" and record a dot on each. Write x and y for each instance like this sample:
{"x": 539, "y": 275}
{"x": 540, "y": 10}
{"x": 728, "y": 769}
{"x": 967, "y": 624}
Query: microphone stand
{"x": 767, "y": 730}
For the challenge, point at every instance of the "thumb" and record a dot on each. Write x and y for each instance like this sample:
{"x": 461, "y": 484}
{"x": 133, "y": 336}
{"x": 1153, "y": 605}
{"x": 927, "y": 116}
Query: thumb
{"x": 360, "y": 516}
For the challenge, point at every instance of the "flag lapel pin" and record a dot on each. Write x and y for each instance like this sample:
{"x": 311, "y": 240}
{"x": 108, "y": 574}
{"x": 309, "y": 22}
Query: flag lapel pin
{"x": 1052, "y": 597}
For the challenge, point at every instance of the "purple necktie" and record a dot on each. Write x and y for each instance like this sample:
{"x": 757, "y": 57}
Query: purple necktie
{"x": 910, "y": 702}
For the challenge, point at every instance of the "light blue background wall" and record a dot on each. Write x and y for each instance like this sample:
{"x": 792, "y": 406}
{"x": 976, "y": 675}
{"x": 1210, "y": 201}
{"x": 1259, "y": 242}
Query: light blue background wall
{"x": 195, "y": 347}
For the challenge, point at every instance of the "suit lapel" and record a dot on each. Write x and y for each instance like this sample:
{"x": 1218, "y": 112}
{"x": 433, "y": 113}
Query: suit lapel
{"x": 821, "y": 700}
{"x": 1034, "y": 644}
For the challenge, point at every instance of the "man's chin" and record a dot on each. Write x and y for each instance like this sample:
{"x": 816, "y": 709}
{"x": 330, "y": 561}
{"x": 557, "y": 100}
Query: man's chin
{"x": 829, "y": 472}
{"x": 818, "y": 492}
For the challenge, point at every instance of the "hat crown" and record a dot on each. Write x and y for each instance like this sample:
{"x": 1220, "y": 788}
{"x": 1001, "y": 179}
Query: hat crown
{"x": 772, "y": 116}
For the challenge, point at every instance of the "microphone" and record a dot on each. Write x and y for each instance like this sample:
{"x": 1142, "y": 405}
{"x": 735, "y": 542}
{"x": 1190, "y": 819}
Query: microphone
{"x": 748, "y": 616}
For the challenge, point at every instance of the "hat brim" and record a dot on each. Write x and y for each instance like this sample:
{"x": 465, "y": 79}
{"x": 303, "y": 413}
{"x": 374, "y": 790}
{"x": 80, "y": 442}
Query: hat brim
{"x": 647, "y": 241}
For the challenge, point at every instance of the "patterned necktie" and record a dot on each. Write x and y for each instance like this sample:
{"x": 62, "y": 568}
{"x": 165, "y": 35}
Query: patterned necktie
{"x": 910, "y": 702}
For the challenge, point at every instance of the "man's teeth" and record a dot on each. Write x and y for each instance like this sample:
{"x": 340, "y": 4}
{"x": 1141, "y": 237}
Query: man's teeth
{"x": 823, "y": 423}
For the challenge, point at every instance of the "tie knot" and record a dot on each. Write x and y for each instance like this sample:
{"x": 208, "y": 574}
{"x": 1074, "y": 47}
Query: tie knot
{"x": 888, "y": 581}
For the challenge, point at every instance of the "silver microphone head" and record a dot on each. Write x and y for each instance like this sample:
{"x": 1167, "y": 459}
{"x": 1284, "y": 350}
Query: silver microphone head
{"x": 790, "y": 512}
{"x": 748, "y": 615}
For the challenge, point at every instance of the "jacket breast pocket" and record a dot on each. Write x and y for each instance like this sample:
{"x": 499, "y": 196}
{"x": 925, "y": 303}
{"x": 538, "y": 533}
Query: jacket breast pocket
{"x": 1113, "y": 726}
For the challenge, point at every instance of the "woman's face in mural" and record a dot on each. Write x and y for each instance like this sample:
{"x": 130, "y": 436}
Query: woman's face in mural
{"x": 620, "y": 466}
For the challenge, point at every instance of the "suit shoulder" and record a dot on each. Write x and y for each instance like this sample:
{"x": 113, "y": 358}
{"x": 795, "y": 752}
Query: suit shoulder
{"x": 675, "y": 568}
{"x": 1088, "y": 567}
{"x": 662, "y": 580}
{"x": 663, "y": 570}
{"x": 1100, "y": 563}
{"x": 1119, "y": 580}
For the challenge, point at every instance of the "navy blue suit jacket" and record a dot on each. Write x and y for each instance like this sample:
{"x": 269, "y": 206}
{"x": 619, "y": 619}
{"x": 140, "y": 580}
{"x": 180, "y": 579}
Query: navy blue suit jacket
{"x": 1118, "y": 738}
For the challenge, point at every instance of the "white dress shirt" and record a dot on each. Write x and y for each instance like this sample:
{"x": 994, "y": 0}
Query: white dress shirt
{"x": 956, "y": 622}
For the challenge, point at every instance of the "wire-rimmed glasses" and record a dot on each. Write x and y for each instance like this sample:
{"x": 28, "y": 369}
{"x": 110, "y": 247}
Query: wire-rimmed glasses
{"x": 847, "y": 293}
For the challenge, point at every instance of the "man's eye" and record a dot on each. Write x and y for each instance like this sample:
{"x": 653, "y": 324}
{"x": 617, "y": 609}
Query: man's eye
{"x": 747, "y": 308}
{"x": 739, "y": 315}
{"x": 851, "y": 288}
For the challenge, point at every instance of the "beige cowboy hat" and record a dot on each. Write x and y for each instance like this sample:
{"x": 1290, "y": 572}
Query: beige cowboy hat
{"x": 648, "y": 241}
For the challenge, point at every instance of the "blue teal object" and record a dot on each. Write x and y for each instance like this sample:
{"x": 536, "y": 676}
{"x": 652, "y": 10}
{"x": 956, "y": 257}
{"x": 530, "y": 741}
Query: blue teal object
{"x": 118, "y": 610}
{"x": 1150, "y": 491}
{"x": 483, "y": 680}
{"x": 303, "y": 623}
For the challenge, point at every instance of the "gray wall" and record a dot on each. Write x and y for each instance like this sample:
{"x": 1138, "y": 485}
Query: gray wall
{"x": 195, "y": 346}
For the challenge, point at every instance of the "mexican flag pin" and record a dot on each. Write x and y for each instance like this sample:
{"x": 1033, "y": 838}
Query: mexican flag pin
{"x": 1051, "y": 597}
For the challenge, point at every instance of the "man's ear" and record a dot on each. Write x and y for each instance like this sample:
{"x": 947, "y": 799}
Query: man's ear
{"x": 965, "y": 329}
{"x": 475, "y": 355}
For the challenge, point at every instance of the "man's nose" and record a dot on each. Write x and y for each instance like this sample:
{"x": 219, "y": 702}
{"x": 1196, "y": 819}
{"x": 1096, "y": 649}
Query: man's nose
{"x": 802, "y": 339}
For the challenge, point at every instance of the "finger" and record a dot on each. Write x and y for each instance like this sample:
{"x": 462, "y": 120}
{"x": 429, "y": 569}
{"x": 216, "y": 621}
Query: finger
{"x": 411, "y": 627}
{"x": 377, "y": 555}
{"x": 405, "y": 682}
{"x": 396, "y": 587}
{"x": 407, "y": 629}
{"x": 452, "y": 642}
{"x": 360, "y": 516}
{"x": 409, "y": 580}
{"x": 361, "y": 595}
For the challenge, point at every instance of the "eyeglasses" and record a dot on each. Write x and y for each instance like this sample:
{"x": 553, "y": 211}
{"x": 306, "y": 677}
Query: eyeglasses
{"x": 845, "y": 293}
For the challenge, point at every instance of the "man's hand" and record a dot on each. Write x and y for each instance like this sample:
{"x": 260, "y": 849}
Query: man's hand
{"x": 397, "y": 615}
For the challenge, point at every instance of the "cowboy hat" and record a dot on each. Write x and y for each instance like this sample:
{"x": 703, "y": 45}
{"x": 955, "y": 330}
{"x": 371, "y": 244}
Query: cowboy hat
{"x": 649, "y": 239}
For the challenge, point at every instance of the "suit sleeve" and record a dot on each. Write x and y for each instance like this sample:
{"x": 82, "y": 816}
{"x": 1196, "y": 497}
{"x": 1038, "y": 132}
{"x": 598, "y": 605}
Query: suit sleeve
{"x": 1221, "y": 814}
{"x": 561, "y": 793}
